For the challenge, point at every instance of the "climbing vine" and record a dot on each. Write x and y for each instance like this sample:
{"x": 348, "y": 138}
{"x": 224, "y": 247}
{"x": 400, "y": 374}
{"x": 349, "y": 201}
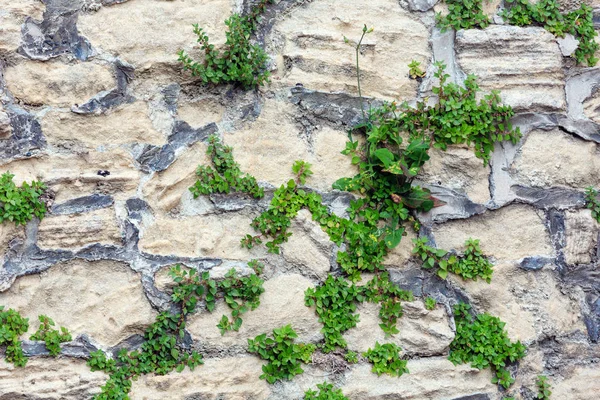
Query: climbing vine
{"x": 50, "y": 336}
{"x": 12, "y": 326}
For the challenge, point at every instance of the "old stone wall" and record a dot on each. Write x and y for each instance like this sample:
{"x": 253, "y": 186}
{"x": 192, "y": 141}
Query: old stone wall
{"x": 94, "y": 103}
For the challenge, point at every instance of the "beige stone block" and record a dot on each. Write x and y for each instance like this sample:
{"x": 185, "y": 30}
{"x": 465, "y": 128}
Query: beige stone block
{"x": 429, "y": 378}
{"x": 50, "y": 379}
{"x": 201, "y": 112}
{"x": 155, "y": 30}
{"x": 582, "y": 236}
{"x": 329, "y": 164}
{"x": 555, "y": 158}
{"x": 423, "y": 332}
{"x": 75, "y": 231}
{"x": 200, "y": 236}
{"x": 128, "y": 124}
{"x": 399, "y": 255}
{"x": 165, "y": 190}
{"x": 11, "y": 19}
{"x": 281, "y": 304}
{"x": 57, "y": 84}
{"x": 458, "y": 169}
{"x": 591, "y": 107}
{"x": 231, "y": 378}
{"x": 524, "y": 64}
{"x": 103, "y": 299}
{"x": 510, "y": 233}
{"x": 75, "y": 174}
{"x": 267, "y": 148}
{"x": 314, "y": 52}
{"x": 582, "y": 384}
{"x": 309, "y": 246}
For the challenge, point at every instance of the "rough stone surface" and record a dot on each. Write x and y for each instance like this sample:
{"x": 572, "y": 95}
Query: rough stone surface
{"x": 281, "y": 304}
{"x": 582, "y": 237}
{"x": 510, "y": 233}
{"x": 232, "y": 378}
{"x": 581, "y": 385}
{"x": 78, "y": 230}
{"x": 5, "y": 128}
{"x": 12, "y": 17}
{"x": 131, "y": 124}
{"x": 429, "y": 378}
{"x": 57, "y": 84}
{"x": 315, "y": 55}
{"x": 555, "y": 158}
{"x": 155, "y": 31}
{"x": 102, "y": 299}
{"x": 422, "y": 332}
{"x": 525, "y": 64}
{"x": 49, "y": 379}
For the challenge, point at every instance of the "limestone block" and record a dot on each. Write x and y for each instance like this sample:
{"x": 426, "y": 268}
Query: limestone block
{"x": 200, "y": 113}
{"x": 128, "y": 124}
{"x": 281, "y": 304}
{"x": 583, "y": 384}
{"x": 103, "y": 299}
{"x": 149, "y": 34}
{"x": 12, "y": 17}
{"x": 524, "y": 64}
{"x": 5, "y": 127}
{"x": 314, "y": 52}
{"x": 57, "y": 84}
{"x": 50, "y": 379}
{"x": 422, "y": 332}
{"x": 555, "y": 158}
{"x": 231, "y": 378}
{"x": 73, "y": 231}
{"x": 582, "y": 237}
{"x": 329, "y": 164}
{"x": 510, "y": 233}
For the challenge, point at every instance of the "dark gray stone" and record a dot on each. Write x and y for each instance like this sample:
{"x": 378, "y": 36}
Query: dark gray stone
{"x": 421, "y": 5}
{"x": 56, "y": 34}
{"x": 26, "y": 139}
{"x": 558, "y": 198}
{"x": 184, "y": 135}
{"x": 458, "y": 205}
{"x": 535, "y": 263}
{"x": 480, "y": 396}
{"x": 83, "y": 204}
{"x": 154, "y": 158}
{"x": 556, "y": 228}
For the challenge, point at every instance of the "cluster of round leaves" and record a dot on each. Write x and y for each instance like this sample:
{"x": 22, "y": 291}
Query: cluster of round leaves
{"x": 463, "y": 14}
{"x": 50, "y": 336}
{"x": 226, "y": 175}
{"x": 20, "y": 204}
{"x": 547, "y": 13}
{"x": 592, "y": 202}
{"x": 326, "y": 392}
{"x": 12, "y": 326}
{"x": 240, "y": 62}
{"x": 284, "y": 357}
{"x": 164, "y": 348}
{"x": 483, "y": 342}
{"x": 386, "y": 359}
{"x": 471, "y": 265}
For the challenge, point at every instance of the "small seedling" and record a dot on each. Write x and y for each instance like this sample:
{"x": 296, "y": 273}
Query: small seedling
{"x": 414, "y": 70}
{"x": 326, "y": 392}
{"x": 302, "y": 171}
{"x": 543, "y": 388}
{"x": 430, "y": 303}
{"x": 12, "y": 326}
{"x": 592, "y": 202}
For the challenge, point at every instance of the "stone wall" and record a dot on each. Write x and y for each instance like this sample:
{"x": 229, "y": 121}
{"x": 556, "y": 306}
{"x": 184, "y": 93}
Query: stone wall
{"x": 94, "y": 103}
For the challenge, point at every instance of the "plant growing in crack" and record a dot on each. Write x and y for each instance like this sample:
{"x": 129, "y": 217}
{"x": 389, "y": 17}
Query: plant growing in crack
{"x": 240, "y": 62}
{"x": 12, "y": 326}
{"x": 463, "y": 14}
{"x": 326, "y": 392}
{"x": 20, "y": 204}
{"x": 50, "y": 336}
{"x": 592, "y": 202}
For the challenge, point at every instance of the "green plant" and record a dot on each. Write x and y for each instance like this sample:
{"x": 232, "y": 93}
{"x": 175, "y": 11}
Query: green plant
{"x": 326, "y": 392}
{"x": 351, "y": 357}
{"x": 592, "y": 202}
{"x": 547, "y": 13}
{"x": 463, "y": 14}
{"x": 430, "y": 303}
{"x": 302, "y": 171}
{"x": 356, "y": 47}
{"x": 13, "y": 325}
{"x": 543, "y": 388}
{"x": 241, "y": 61}
{"x": 283, "y": 356}
{"x": 414, "y": 70}
{"x": 20, "y": 204}
{"x": 471, "y": 265}
{"x": 386, "y": 359}
{"x": 483, "y": 342}
{"x": 240, "y": 294}
{"x": 226, "y": 176}
{"x": 52, "y": 337}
